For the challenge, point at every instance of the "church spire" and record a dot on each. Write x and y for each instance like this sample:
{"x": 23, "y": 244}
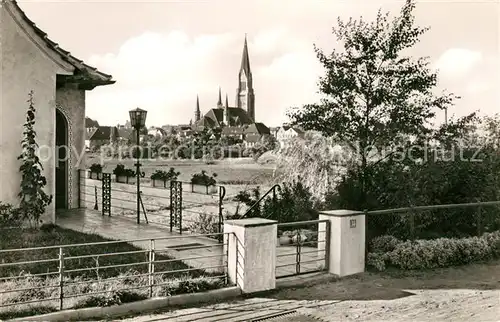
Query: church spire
{"x": 227, "y": 103}
{"x": 245, "y": 59}
{"x": 219, "y": 102}
{"x": 197, "y": 113}
{"x": 245, "y": 97}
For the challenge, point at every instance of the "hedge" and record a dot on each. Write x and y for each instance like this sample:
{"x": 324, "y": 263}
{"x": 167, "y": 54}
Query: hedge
{"x": 388, "y": 251}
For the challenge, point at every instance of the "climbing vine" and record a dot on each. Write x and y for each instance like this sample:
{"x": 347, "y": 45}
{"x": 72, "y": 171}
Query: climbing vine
{"x": 34, "y": 200}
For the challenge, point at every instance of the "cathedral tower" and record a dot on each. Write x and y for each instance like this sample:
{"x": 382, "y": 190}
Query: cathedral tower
{"x": 245, "y": 97}
{"x": 197, "y": 113}
{"x": 219, "y": 102}
{"x": 226, "y": 113}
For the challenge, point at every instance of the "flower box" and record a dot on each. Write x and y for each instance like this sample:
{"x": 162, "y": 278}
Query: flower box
{"x": 202, "y": 183}
{"x": 124, "y": 175}
{"x": 126, "y": 179}
{"x": 95, "y": 175}
{"x": 161, "y": 179}
{"x": 199, "y": 188}
{"x": 160, "y": 183}
{"x": 95, "y": 171}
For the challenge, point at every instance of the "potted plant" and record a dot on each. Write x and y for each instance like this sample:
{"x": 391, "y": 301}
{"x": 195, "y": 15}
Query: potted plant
{"x": 124, "y": 175}
{"x": 160, "y": 178}
{"x": 203, "y": 183}
{"x": 96, "y": 171}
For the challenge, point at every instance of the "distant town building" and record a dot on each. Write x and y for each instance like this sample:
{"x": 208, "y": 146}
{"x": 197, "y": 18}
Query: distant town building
{"x": 103, "y": 135}
{"x": 286, "y": 132}
{"x": 157, "y": 132}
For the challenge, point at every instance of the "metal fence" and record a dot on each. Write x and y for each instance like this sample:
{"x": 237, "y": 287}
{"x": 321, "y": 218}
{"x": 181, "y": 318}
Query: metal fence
{"x": 303, "y": 248}
{"x": 62, "y": 276}
{"x": 434, "y": 221}
{"x": 178, "y": 205}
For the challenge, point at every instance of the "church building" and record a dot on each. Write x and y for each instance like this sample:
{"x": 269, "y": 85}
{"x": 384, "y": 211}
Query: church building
{"x": 238, "y": 121}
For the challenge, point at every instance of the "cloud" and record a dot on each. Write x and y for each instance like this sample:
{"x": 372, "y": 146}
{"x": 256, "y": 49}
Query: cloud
{"x": 478, "y": 86}
{"x": 457, "y": 62}
{"x": 163, "y": 73}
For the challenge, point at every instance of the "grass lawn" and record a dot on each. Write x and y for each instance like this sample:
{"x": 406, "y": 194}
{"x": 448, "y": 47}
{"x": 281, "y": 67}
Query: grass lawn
{"x": 229, "y": 171}
{"x": 234, "y": 174}
{"x": 15, "y": 238}
{"x": 157, "y": 201}
{"x": 104, "y": 281}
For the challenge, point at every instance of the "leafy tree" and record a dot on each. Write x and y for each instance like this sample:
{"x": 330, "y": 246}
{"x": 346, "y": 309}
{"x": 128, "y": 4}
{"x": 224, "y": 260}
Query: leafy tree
{"x": 266, "y": 143}
{"x": 34, "y": 200}
{"x": 374, "y": 95}
{"x": 317, "y": 160}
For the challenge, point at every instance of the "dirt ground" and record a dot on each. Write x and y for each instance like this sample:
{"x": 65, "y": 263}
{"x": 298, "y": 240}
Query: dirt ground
{"x": 464, "y": 293}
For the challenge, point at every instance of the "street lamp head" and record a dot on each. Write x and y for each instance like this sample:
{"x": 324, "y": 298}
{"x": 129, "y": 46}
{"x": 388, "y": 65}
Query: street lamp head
{"x": 138, "y": 118}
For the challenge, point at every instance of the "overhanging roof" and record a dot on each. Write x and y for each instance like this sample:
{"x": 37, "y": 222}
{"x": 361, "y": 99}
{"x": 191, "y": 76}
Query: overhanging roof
{"x": 87, "y": 77}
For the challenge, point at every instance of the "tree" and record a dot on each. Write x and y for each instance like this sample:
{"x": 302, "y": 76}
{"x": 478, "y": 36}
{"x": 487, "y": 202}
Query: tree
{"x": 374, "y": 95}
{"x": 34, "y": 200}
{"x": 266, "y": 143}
{"x": 317, "y": 160}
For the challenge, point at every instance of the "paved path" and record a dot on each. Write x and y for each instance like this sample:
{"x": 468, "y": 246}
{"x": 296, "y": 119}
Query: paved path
{"x": 208, "y": 254}
{"x": 120, "y": 228}
{"x": 425, "y": 305}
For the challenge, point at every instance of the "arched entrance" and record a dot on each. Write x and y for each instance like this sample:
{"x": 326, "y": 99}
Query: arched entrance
{"x": 61, "y": 161}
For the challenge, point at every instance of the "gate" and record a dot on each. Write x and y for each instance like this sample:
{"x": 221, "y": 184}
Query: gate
{"x": 106, "y": 194}
{"x": 197, "y": 207}
{"x": 302, "y": 248}
{"x": 176, "y": 205}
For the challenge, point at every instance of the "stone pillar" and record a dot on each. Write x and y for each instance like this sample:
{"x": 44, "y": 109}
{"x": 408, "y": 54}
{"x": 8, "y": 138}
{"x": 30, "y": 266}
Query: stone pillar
{"x": 345, "y": 251}
{"x": 251, "y": 249}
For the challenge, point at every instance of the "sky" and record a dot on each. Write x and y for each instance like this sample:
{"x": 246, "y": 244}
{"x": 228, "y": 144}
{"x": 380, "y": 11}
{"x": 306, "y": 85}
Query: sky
{"x": 163, "y": 54}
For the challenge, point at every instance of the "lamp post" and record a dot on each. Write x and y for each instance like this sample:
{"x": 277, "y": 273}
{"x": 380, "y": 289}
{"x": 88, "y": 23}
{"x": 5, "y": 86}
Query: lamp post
{"x": 138, "y": 121}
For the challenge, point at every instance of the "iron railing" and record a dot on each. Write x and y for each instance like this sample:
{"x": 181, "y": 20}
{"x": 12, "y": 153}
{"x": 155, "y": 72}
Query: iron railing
{"x": 274, "y": 189}
{"x": 64, "y": 275}
{"x": 157, "y": 203}
{"x": 303, "y": 248}
{"x": 432, "y": 221}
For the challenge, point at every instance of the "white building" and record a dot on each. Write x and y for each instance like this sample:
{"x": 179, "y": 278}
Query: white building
{"x": 286, "y": 133}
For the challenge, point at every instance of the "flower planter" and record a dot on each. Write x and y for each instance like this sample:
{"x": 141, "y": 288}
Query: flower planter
{"x": 160, "y": 183}
{"x": 125, "y": 179}
{"x": 96, "y": 175}
{"x": 198, "y": 188}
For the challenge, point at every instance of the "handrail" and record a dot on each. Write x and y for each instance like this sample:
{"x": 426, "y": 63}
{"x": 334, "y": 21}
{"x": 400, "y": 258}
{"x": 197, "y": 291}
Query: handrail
{"x": 431, "y": 207}
{"x": 273, "y": 189}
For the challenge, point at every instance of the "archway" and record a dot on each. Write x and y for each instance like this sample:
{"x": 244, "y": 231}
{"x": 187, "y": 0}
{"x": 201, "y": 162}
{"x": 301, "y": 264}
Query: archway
{"x": 61, "y": 161}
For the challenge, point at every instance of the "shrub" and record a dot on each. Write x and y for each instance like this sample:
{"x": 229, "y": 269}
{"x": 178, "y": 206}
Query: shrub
{"x": 425, "y": 254}
{"x": 205, "y": 224}
{"x": 384, "y": 244}
{"x": 164, "y": 175}
{"x": 293, "y": 202}
{"x": 96, "y": 168}
{"x": 9, "y": 216}
{"x": 203, "y": 179}
{"x": 115, "y": 298}
{"x": 120, "y": 170}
